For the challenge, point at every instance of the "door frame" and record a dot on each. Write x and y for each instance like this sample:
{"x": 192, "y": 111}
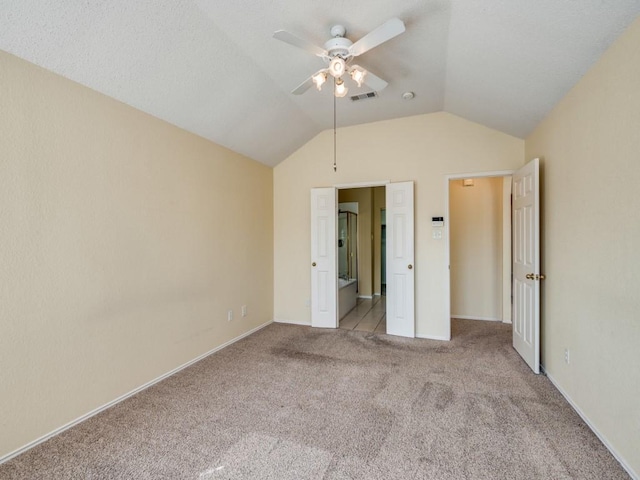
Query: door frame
{"x": 447, "y": 222}
{"x": 344, "y": 186}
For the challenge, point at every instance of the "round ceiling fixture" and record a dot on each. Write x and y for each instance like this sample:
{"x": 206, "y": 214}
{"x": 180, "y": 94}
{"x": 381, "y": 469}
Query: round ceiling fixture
{"x": 408, "y": 95}
{"x": 337, "y": 67}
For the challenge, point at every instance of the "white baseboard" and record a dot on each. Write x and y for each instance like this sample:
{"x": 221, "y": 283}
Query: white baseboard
{"x": 292, "y": 322}
{"x": 472, "y": 317}
{"x": 433, "y": 337}
{"x": 586, "y": 420}
{"x": 368, "y": 297}
{"x": 90, "y": 414}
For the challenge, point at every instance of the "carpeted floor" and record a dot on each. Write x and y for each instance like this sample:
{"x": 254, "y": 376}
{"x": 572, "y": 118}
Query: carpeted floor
{"x": 292, "y": 402}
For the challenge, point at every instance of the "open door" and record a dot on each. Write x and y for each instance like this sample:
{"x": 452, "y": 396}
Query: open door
{"x": 400, "y": 251}
{"x": 324, "y": 270}
{"x": 526, "y": 263}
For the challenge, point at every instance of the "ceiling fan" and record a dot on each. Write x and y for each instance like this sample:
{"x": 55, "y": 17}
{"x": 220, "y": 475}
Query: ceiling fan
{"x": 339, "y": 52}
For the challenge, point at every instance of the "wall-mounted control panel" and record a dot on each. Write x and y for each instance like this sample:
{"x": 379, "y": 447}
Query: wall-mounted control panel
{"x": 437, "y": 223}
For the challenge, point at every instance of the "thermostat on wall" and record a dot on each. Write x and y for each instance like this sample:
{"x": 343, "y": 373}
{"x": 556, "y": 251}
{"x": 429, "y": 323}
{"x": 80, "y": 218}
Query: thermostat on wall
{"x": 437, "y": 221}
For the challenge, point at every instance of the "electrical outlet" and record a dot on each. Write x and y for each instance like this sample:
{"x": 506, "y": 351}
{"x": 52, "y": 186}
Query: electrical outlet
{"x": 244, "y": 310}
{"x": 566, "y": 356}
{"x": 230, "y": 315}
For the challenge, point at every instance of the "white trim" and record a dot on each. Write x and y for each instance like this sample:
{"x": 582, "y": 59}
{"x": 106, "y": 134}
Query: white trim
{"x": 368, "y": 297}
{"x": 473, "y": 317}
{"x": 377, "y": 294}
{"x": 381, "y": 183}
{"x": 495, "y": 173}
{"x": 507, "y": 254}
{"x": 95, "y": 411}
{"x": 292, "y": 322}
{"x": 434, "y": 337}
{"x": 447, "y": 218}
{"x": 586, "y": 420}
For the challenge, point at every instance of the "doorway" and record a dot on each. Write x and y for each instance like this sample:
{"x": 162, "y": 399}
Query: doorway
{"x": 479, "y": 247}
{"x": 523, "y": 219}
{"x": 361, "y": 307}
{"x": 399, "y": 208}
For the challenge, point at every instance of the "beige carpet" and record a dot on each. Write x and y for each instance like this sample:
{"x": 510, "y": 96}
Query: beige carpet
{"x": 292, "y": 402}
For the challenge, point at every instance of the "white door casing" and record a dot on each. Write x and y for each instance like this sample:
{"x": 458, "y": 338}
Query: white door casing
{"x": 324, "y": 270}
{"x": 526, "y": 263}
{"x": 400, "y": 259}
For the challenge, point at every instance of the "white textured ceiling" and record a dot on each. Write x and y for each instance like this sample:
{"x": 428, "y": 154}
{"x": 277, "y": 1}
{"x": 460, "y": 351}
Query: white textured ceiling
{"x": 213, "y": 68}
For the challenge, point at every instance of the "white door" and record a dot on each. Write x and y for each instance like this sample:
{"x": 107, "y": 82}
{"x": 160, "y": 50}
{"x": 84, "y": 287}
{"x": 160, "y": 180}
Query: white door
{"x": 324, "y": 271}
{"x": 526, "y": 263}
{"x": 400, "y": 271}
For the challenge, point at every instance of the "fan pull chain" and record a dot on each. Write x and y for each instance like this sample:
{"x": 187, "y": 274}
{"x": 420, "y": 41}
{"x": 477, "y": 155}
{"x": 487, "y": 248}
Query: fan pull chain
{"x": 335, "y": 166}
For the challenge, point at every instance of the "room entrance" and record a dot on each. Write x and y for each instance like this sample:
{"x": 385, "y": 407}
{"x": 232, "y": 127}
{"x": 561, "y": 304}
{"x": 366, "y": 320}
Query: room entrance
{"x": 396, "y": 199}
{"x": 361, "y": 305}
{"x": 520, "y": 262}
{"x": 480, "y": 248}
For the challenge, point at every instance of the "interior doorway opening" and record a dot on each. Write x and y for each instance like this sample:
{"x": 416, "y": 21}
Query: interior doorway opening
{"x": 399, "y": 214}
{"x": 479, "y": 247}
{"x": 361, "y": 303}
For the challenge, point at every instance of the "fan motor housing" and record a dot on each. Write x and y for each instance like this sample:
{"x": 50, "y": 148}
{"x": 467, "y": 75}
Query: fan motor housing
{"x": 338, "y": 46}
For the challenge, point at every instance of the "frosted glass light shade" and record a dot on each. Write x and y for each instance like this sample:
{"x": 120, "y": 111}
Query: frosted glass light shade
{"x": 358, "y": 75}
{"x": 337, "y": 67}
{"x": 341, "y": 89}
{"x": 319, "y": 79}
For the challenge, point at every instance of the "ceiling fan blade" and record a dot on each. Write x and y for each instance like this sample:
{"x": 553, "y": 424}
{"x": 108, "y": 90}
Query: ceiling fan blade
{"x": 375, "y": 82}
{"x": 389, "y": 29}
{"x": 303, "y": 87}
{"x": 291, "y": 39}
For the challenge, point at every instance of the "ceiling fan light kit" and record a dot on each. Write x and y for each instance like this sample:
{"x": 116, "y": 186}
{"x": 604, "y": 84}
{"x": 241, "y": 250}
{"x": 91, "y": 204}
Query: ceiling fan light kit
{"x": 339, "y": 51}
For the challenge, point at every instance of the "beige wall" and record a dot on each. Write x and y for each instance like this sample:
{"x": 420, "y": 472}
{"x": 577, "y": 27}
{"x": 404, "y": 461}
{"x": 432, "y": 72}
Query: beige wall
{"x": 125, "y": 240}
{"x": 475, "y": 229}
{"x": 423, "y": 149}
{"x": 590, "y": 149}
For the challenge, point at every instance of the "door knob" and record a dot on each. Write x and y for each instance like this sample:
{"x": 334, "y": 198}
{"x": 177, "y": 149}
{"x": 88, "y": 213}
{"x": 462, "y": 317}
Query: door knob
{"x": 534, "y": 276}
{"x": 313, "y": 264}
{"x": 410, "y": 267}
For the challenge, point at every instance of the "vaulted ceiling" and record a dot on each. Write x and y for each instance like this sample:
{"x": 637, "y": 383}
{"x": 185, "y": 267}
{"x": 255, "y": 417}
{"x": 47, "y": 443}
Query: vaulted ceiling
{"x": 213, "y": 68}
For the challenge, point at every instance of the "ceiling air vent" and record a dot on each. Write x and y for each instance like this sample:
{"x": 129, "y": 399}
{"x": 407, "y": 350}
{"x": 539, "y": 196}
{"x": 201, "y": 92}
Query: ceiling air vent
{"x": 364, "y": 96}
